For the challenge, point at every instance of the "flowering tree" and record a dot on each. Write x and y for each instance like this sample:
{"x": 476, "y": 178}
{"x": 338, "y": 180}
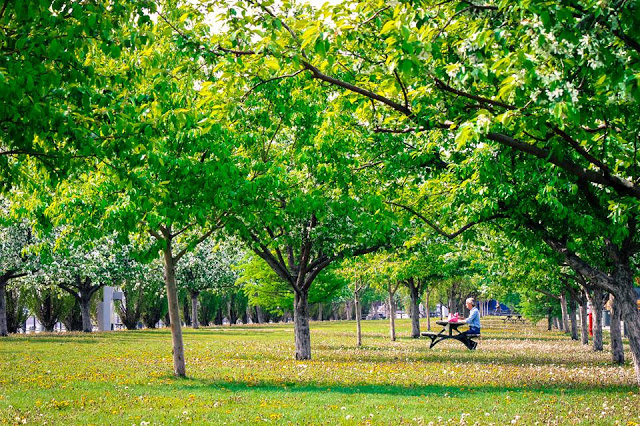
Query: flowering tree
{"x": 212, "y": 266}
{"x": 15, "y": 262}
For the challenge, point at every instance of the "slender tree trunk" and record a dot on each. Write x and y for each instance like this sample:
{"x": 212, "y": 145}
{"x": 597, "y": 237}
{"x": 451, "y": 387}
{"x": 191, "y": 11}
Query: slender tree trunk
{"x": 4, "y": 331}
{"x": 320, "y": 306}
{"x": 427, "y": 311}
{"x": 358, "y": 318}
{"x": 179, "y": 366}
{"x": 348, "y": 309}
{"x": 572, "y": 318}
{"x": 565, "y": 315}
{"x": 415, "y": 312}
{"x": 549, "y": 320}
{"x": 219, "y": 317}
{"x": 194, "y": 309}
{"x": 259, "y": 315}
{"x": 392, "y": 316}
{"x": 596, "y": 305}
{"x": 617, "y": 350}
{"x": 85, "y": 303}
{"x": 301, "y": 325}
{"x": 584, "y": 325}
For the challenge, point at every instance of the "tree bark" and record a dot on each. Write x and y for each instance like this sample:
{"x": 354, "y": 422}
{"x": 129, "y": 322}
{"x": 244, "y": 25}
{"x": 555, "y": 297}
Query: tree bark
{"x": 194, "y": 309}
{"x": 348, "y": 309}
{"x": 617, "y": 350}
{"x": 320, "y": 306}
{"x": 4, "y": 331}
{"x": 629, "y": 312}
{"x": 597, "y": 297}
{"x": 584, "y": 325}
{"x": 259, "y": 315}
{"x": 356, "y": 301}
{"x": 301, "y": 325}
{"x": 85, "y": 302}
{"x": 392, "y": 316}
{"x": 219, "y": 317}
{"x": 415, "y": 308}
{"x": 572, "y": 318}
{"x": 427, "y": 311}
{"x": 626, "y": 301}
{"x": 565, "y": 315}
{"x": 231, "y": 310}
{"x": 179, "y": 366}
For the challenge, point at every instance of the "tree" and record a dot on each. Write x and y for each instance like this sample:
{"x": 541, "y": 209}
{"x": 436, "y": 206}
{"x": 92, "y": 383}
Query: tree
{"x": 211, "y": 266}
{"x": 47, "y": 304}
{"x": 174, "y": 179}
{"x": 55, "y": 101}
{"x": 15, "y": 262}
{"x": 17, "y": 312}
{"x": 508, "y": 82}
{"x": 310, "y": 211}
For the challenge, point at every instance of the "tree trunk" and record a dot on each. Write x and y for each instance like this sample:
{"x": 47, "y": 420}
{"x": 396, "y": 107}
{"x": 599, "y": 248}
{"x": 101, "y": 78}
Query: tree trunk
{"x": 629, "y": 313}
{"x": 179, "y": 366}
{"x": 392, "y": 317}
{"x": 301, "y": 325}
{"x": 259, "y": 315}
{"x": 320, "y": 306}
{"x": 549, "y": 320}
{"x": 565, "y": 315}
{"x": 219, "y": 317}
{"x": 415, "y": 311}
{"x": 584, "y": 325}
{"x": 348, "y": 308}
{"x": 427, "y": 311}
{"x": 356, "y": 301}
{"x": 572, "y": 318}
{"x": 73, "y": 320}
{"x": 626, "y": 301}
{"x": 85, "y": 302}
{"x": 194, "y": 309}
{"x": 4, "y": 331}
{"x": 617, "y": 350}
{"x": 231, "y": 310}
{"x": 596, "y": 305}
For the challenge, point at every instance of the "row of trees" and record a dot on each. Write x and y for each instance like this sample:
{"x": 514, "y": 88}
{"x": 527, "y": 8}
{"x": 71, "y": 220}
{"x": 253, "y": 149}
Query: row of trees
{"x": 316, "y": 135}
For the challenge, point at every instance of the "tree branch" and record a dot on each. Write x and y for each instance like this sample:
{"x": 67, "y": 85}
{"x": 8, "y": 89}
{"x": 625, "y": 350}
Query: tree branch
{"x": 280, "y": 77}
{"x": 622, "y": 186}
{"x": 439, "y": 230}
{"x": 443, "y": 86}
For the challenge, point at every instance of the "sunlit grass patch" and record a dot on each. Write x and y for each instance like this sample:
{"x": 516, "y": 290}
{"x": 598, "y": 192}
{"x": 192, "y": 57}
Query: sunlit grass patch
{"x": 247, "y": 374}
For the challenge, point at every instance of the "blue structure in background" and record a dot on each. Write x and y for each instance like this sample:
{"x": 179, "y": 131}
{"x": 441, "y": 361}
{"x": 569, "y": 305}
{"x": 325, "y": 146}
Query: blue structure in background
{"x": 493, "y": 308}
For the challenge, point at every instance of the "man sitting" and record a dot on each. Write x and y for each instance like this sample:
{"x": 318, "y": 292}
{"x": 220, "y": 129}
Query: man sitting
{"x": 473, "y": 321}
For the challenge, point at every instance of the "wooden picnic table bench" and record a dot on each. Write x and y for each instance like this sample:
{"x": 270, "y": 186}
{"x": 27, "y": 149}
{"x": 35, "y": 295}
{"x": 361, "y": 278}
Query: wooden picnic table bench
{"x": 448, "y": 333}
{"x": 513, "y": 318}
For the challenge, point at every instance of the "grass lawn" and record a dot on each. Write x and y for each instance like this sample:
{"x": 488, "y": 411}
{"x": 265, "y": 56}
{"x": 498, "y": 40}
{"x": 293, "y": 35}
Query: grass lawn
{"x": 246, "y": 374}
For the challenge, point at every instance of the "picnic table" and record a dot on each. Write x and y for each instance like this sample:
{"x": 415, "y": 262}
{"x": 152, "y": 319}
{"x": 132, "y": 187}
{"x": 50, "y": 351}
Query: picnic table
{"x": 450, "y": 331}
{"x": 513, "y": 318}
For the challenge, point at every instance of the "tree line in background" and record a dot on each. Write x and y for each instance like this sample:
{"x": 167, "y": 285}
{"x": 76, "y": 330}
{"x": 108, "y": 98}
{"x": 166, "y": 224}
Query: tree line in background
{"x": 493, "y": 143}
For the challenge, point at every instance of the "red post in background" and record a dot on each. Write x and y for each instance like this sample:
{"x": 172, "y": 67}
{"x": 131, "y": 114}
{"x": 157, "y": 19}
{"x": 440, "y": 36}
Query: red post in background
{"x": 590, "y": 324}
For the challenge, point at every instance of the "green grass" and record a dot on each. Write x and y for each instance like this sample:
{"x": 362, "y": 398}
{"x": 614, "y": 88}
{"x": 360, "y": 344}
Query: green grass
{"x": 246, "y": 374}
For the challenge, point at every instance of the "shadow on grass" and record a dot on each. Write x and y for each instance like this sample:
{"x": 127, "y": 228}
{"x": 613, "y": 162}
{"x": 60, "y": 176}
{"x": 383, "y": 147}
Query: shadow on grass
{"x": 203, "y": 385}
